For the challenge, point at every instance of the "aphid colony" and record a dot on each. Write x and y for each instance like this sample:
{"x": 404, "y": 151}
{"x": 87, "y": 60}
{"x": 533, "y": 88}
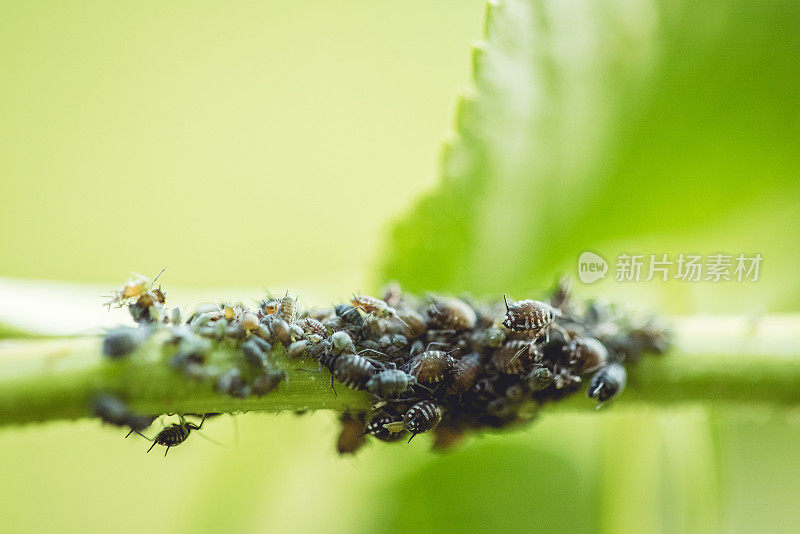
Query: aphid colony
{"x": 439, "y": 364}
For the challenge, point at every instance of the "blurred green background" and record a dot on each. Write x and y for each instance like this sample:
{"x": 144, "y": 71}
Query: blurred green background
{"x": 248, "y": 146}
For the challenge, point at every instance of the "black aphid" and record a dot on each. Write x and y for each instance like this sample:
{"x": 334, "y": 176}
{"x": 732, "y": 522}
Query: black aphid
{"x": 122, "y": 341}
{"x": 607, "y": 383}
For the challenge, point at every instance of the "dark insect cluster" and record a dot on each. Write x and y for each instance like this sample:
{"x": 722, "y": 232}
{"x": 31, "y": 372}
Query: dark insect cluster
{"x": 440, "y": 364}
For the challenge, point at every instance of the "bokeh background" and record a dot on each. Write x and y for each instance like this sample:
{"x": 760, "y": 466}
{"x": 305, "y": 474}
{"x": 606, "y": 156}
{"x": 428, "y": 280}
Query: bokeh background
{"x": 254, "y": 146}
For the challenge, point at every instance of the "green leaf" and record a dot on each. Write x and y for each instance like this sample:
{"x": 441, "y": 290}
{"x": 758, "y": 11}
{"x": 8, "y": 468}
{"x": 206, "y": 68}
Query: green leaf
{"x": 647, "y": 127}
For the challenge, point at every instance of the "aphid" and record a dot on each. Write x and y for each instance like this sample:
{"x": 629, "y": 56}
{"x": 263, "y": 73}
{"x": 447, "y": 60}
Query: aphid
{"x": 421, "y": 417}
{"x": 351, "y": 438}
{"x": 484, "y": 388}
{"x": 560, "y": 295}
{"x": 250, "y": 321}
{"x": 514, "y": 357}
{"x": 539, "y": 378}
{"x": 392, "y": 293}
{"x": 148, "y": 307}
{"x": 333, "y": 324}
{"x": 287, "y": 308}
{"x": 342, "y": 342}
{"x": 232, "y": 384}
{"x": 267, "y": 381}
{"x": 431, "y": 366}
{"x": 564, "y": 377}
{"x": 192, "y": 349}
{"x": 113, "y": 410}
{"x": 269, "y": 306}
{"x": 264, "y": 345}
{"x": 529, "y": 316}
{"x": 515, "y": 393}
{"x": 607, "y": 383}
{"x": 175, "y": 434}
{"x": 312, "y": 326}
{"x": 254, "y": 354}
{"x": 393, "y": 341}
{"x": 295, "y": 332}
{"x": 415, "y": 322}
{"x": 500, "y": 407}
{"x": 122, "y": 341}
{"x": 390, "y": 382}
{"x": 491, "y": 337}
{"x": 262, "y": 332}
{"x": 376, "y": 427}
{"x": 376, "y": 307}
{"x": 230, "y": 312}
{"x": 353, "y": 370}
{"x": 279, "y": 329}
{"x": 586, "y": 354}
{"x": 133, "y": 288}
{"x": 297, "y": 349}
{"x": 465, "y": 372}
{"x": 451, "y": 314}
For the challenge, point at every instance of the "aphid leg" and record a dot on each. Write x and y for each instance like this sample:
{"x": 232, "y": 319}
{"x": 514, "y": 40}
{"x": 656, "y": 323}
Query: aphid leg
{"x": 333, "y": 388}
{"x": 435, "y": 343}
{"x": 151, "y": 446}
{"x": 166, "y": 451}
{"x": 412, "y": 437}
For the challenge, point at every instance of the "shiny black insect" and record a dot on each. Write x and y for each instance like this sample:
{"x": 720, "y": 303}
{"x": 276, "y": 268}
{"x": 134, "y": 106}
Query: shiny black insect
{"x": 421, "y": 417}
{"x": 175, "y": 434}
{"x": 376, "y": 427}
{"x": 122, "y": 341}
{"x": 607, "y": 383}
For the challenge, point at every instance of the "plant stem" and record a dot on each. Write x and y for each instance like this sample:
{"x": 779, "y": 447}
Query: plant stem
{"x": 716, "y": 360}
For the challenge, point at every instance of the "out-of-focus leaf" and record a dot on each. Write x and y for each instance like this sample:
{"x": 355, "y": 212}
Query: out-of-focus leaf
{"x": 647, "y": 127}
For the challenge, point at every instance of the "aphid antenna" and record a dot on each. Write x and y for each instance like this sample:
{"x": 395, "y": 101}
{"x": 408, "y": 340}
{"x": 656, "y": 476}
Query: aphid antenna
{"x": 505, "y": 299}
{"x": 435, "y": 343}
{"x": 520, "y": 351}
{"x": 157, "y": 277}
{"x": 373, "y": 360}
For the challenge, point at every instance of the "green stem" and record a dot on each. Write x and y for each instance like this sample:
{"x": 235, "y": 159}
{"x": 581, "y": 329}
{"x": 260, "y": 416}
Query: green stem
{"x": 716, "y": 360}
